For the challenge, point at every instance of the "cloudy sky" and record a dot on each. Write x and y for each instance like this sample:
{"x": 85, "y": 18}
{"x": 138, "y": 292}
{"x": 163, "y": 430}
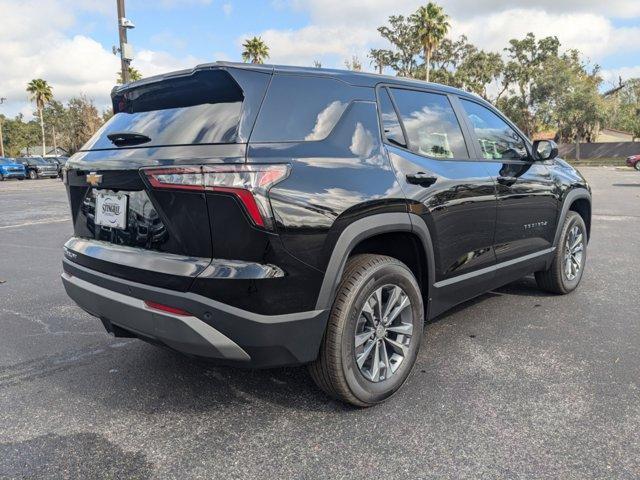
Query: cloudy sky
{"x": 68, "y": 42}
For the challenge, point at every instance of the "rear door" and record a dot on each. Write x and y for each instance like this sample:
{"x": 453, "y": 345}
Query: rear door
{"x": 526, "y": 193}
{"x": 453, "y": 193}
{"x": 181, "y": 124}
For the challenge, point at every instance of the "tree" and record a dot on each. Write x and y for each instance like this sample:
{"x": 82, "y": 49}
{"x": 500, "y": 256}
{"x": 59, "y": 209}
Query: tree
{"x": 460, "y": 64}
{"x": 134, "y": 74}
{"x": 40, "y": 92}
{"x": 83, "y": 121}
{"x": 624, "y": 107}
{"x": 401, "y": 35}
{"x": 380, "y": 58}
{"x": 255, "y": 50}
{"x": 522, "y": 71}
{"x": 317, "y": 64}
{"x": 478, "y": 70}
{"x": 567, "y": 95}
{"x": 430, "y": 25}
{"x": 19, "y": 134}
{"x": 353, "y": 64}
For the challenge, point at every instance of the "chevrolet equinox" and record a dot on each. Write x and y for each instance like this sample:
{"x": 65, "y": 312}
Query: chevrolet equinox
{"x": 267, "y": 216}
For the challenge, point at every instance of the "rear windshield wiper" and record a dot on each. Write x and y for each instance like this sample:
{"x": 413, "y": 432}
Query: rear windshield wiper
{"x": 123, "y": 139}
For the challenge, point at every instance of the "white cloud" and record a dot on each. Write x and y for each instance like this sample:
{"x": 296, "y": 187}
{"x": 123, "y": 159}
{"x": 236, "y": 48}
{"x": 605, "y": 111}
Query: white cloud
{"x": 35, "y": 45}
{"x": 594, "y": 35}
{"x": 363, "y": 11}
{"x": 303, "y": 46}
{"x": 341, "y": 28}
{"x": 151, "y": 62}
{"x": 227, "y": 8}
{"x": 612, "y": 77}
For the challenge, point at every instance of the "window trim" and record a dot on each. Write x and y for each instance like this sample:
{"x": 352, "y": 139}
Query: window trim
{"x": 426, "y": 89}
{"x": 476, "y": 139}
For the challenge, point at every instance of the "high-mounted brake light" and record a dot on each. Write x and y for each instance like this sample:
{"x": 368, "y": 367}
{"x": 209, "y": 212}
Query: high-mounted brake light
{"x": 248, "y": 183}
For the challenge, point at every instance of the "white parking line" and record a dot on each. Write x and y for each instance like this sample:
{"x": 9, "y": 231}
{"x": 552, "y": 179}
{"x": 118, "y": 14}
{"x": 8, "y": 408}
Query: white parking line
{"x": 39, "y": 222}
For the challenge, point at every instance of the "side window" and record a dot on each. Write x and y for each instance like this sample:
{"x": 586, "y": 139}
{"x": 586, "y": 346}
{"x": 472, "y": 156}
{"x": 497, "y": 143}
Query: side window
{"x": 301, "y": 108}
{"x": 390, "y": 122}
{"x": 497, "y": 139}
{"x": 431, "y": 124}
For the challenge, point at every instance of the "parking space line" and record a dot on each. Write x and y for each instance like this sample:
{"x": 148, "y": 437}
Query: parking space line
{"x": 39, "y": 222}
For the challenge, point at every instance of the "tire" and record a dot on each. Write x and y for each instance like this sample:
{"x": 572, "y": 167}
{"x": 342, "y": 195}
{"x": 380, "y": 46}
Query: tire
{"x": 336, "y": 370}
{"x": 33, "y": 175}
{"x": 1, "y": 178}
{"x": 557, "y": 279}
{"x": 637, "y": 166}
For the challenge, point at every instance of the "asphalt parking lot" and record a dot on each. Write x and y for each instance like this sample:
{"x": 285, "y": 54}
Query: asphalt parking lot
{"x": 514, "y": 384}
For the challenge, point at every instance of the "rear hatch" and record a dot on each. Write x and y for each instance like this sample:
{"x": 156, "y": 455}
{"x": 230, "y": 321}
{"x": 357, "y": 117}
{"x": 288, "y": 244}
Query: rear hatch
{"x": 136, "y": 189}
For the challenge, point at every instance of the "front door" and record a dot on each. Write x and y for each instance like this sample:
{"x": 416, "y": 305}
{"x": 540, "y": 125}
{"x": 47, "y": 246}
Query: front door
{"x": 527, "y": 197}
{"x": 453, "y": 193}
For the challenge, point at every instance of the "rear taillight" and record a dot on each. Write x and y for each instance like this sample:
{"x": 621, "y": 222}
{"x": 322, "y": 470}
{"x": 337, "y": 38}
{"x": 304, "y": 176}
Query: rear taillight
{"x": 249, "y": 183}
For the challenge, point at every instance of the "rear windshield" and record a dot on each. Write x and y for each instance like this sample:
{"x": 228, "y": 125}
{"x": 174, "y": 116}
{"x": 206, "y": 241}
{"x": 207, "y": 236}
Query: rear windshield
{"x": 201, "y": 108}
{"x": 6, "y": 161}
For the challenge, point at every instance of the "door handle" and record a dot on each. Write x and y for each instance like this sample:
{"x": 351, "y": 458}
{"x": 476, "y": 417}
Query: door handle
{"x": 507, "y": 180}
{"x": 421, "y": 178}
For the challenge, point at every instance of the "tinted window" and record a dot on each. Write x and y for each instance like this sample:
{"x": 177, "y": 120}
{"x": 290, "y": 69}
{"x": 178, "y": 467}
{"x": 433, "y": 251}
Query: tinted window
{"x": 431, "y": 124}
{"x": 390, "y": 123}
{"x": 301, "y": 108}
{"x": 497, "y": 139}
{"x": 201, "y": 108}
{"x": 5, "y": 161}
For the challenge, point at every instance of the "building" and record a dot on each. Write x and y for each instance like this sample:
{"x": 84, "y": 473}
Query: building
{"x": 37, "y": 151}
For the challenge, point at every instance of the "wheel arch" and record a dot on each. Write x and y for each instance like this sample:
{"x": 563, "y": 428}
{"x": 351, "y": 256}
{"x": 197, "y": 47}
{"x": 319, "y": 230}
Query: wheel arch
{"x": 368, "y": 235}
{"x": 577, "y": 200}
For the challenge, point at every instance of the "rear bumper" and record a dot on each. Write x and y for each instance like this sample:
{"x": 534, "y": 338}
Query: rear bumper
{"x": 13, "y": 174}
{"x": 214, "y": 330}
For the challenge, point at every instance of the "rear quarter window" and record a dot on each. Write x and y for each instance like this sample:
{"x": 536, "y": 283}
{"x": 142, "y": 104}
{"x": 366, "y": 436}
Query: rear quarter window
{"x": 202, "y": 108}
{"x": 301, "y": 108}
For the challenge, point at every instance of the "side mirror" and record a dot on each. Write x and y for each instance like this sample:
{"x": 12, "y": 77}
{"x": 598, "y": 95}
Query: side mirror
{"x": 545, "y": 150}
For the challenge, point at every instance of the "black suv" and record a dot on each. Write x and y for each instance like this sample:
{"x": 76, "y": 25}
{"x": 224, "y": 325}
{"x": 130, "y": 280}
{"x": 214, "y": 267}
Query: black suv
{"x": 37, "y": 167}
{"x": 267, "y": 216}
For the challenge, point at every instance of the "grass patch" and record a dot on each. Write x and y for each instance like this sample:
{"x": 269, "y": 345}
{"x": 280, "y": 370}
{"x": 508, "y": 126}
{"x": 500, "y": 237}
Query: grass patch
{"x": 598, "y": 162}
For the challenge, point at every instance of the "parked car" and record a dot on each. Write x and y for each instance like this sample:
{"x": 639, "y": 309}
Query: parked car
{"x": 267, "y": 216}
{"x": 9, "y": 168}
{"x": 37, "y": 167}
{"x": 634, "y": 161}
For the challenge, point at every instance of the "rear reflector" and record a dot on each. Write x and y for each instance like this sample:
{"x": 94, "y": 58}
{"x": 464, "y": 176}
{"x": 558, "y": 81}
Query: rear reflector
{"x": 166, "y": 308}
{"x": 249, "y": 183}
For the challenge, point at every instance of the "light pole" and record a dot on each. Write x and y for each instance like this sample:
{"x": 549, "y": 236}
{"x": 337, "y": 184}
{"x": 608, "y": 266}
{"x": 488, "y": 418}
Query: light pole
{"x": 126, "y": 52}
{"x": 2, "y": 100}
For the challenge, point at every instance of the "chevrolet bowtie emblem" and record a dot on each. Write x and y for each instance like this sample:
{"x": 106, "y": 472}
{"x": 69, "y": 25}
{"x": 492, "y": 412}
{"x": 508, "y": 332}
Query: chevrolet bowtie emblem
{"x": 94, "y": 179}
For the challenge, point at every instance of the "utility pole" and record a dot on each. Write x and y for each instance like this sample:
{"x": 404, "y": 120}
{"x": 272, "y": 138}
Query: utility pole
{"x": 2, "y": 100}
{"x": 55, "y": 145}
{"x": 126, "y": 52}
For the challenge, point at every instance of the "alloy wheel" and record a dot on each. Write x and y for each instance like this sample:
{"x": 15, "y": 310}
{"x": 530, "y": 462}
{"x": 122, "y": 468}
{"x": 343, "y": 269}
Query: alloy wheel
{"x": 383, "y": 333}
{"x": 574, "y": 253}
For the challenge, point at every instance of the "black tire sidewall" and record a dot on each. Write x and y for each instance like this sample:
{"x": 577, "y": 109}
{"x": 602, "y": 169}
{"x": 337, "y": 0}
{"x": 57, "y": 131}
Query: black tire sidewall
{"x": 363, "y": 389}
{"x": 570, "y": 285}
{"x": 33, "y": 175}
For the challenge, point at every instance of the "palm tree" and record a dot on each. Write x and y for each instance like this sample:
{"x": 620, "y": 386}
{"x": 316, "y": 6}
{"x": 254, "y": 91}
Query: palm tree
{"x": 134, "y": 75}
{"x": 255, "y": 50}
{"x": 380, "y": 58}
{"x": 40, "y": 92}
{"x": 431, "y": 25}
